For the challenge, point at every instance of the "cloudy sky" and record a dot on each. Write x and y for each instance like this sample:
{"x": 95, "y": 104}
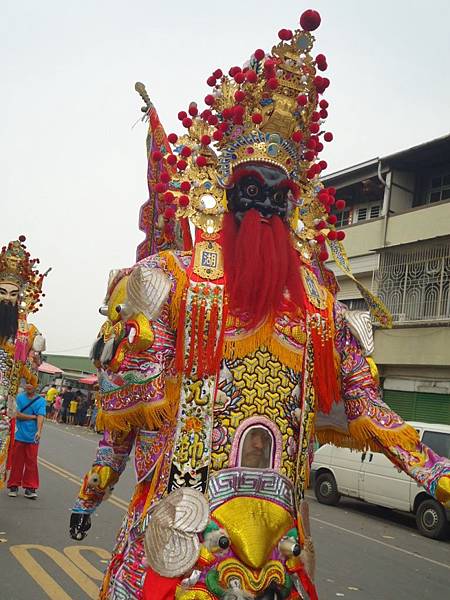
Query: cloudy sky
{"x": 73, "y": 167}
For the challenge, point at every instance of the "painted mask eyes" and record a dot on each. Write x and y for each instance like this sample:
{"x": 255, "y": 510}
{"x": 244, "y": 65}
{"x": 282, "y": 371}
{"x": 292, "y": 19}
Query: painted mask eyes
{"x": 279, "y": 197}
{"x": 251, "y": 190}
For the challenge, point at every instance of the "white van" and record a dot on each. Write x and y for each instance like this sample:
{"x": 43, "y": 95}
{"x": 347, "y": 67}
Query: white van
{"x": 371, "y": 477}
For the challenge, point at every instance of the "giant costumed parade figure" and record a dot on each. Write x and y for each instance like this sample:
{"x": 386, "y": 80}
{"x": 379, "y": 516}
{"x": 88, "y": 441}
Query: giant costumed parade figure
{"x": 221, "y": 360}
{"x": 20, "y": 341}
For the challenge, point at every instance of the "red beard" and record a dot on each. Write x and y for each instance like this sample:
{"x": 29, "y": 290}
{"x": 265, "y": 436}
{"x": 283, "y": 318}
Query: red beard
{"x": 261, "y": 266}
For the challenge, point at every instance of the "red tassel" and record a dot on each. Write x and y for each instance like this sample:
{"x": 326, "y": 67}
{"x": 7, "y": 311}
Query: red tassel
{"x": 179, "y": 350}
{"x": 190, "y": 362}
{"x": 219, "y": 348}
{"x": 325, "y": 376}
{"x": 212, "y": 336}
{"x": 201, "y": 340}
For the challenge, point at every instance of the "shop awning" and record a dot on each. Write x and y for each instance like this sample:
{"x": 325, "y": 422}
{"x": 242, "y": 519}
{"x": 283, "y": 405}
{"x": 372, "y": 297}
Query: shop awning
{"x": 89, "y": 380}
{"x": 46, "y": 367}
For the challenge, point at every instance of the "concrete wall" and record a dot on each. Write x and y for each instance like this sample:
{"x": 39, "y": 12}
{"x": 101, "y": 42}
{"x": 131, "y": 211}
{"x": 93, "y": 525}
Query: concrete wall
{"x": 401, "y": 198}
{"x": 428, "y": 346}
{"x": 363, "y": 237}
{"x": 418, "y": 224}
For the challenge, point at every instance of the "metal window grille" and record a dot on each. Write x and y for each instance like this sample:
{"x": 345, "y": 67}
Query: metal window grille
{"x": 414, "y": 282}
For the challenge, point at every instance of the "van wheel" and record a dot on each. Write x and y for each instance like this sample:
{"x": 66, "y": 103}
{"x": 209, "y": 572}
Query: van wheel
{"x": 431, "y": 519}
{"x": 326, "y": 489}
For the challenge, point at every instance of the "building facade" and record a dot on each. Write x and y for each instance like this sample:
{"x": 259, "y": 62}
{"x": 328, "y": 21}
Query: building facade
{"x": 397, "y": 224}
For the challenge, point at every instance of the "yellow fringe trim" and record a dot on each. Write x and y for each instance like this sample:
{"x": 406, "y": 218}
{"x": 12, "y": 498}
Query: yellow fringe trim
{"x": 364, "y": 434}
{"x": 180, "y": 275}
{"x": 143, "y": 415}
{"x": 246, "y": 344}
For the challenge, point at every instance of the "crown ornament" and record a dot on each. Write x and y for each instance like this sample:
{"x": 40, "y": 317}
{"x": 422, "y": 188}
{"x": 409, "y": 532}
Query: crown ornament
{"x": 272, "y": 111}
{"x": 18, "y": 268}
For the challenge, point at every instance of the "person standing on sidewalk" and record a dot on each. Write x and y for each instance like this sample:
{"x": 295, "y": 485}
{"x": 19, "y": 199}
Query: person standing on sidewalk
{"x": 31, "y": 410}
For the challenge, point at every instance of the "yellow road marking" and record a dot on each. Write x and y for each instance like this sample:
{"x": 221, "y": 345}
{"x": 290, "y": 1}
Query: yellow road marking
{"x": 74, "y": 553}
{"x": 115, "y": 500}
{"x": 53, "y": 590}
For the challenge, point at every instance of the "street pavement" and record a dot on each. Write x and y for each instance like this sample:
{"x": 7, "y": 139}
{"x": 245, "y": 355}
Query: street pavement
{"x": 363, "y": 552}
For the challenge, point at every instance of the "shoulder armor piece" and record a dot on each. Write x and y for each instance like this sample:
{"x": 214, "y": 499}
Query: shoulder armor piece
{"x": 360, "y": 325}
{"x": 148, "y": 290}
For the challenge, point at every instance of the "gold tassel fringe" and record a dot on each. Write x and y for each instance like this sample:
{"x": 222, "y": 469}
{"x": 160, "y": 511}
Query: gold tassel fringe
{"x": 144, "y": 415}
{"x": 181, "y": 278}
{"x": 364, "y": 434}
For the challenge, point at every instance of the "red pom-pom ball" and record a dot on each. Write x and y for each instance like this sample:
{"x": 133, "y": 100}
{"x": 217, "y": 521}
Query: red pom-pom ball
{"x": 181, "y": 165}
{"x": 160, "y": 187}
{"x": 157, "y": 156}
{"x": 169, "y": 213}
{"x": 168, "y": 197}
{"x": 232, "y": 72}
{"x": 302, "y": 100}
{"x": 239, "y": 77}
{"x": 328, "y": 137}
{"x": 251, "y": 76}
{"x": 172, "y": 160}
{"x": 211, "y": 81}
{"x": 314, "y": 128}
{"x": 201, "y": 162}
{"x": 187, "y": 122}
{"x": 185, "y": 186}
{"x": 186, "y": 151}
{"x": 320, "y": 238}
{"x": 340, "y": 235}
{"x": 310, "y": 20}
{"x": 182, "y": 115}
{"x": 193, "y": 110}
{"x": 209, "y": 99}
{"x": 183, "y": 201}
{"x": 205, "y": 140}
{"x": 323, "y": 104}
{"x": 332, "y": 235}
{"x": 22, "y": 238}
{"x": 285, "y": 34}
{"x": 259, "y": 54}
{"x": 218, "y": 135}
{"x": 340, "y": 204}
{"x": 297, "y": 136}
{"x": 332, "y": 219}
{"x": 323, "y": 164}
{"x": 257, "y": 118}
{"x": 272, "y": 83}
{"x": 173, "y": 138}
{"x": 218, "y": 73}
{"x": 309, "y": 155}
{"x": 165, "y": 177}
{"x": 239, "y": 96}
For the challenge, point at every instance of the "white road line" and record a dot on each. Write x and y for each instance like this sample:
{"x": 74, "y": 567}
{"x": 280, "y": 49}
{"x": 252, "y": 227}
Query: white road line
{"x": 366, "y": 537}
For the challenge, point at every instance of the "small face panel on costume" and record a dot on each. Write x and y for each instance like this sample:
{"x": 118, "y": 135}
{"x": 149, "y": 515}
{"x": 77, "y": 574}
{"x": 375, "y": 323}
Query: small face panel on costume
{"x": 9, "y": 292}
{"x": 261, "y": 187}
{"x": 257, "y": 449}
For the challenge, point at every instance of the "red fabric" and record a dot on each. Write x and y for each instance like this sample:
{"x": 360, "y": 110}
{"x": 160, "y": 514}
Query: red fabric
{"x": 157, "y": 587}
{"x": 12, "y": 430}
{"x": 24, "y": 469}
{"x": 260, "y": 264}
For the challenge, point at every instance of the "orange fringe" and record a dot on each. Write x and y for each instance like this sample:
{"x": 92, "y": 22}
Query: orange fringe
{"x": 364, "y": 434}
{"x": 143, "y": 415}
{"x": 246, "y": 344}
{"x": 181, "y": 278}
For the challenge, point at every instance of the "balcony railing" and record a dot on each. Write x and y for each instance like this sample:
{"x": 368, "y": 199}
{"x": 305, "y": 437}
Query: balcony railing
{"x": 414, "y": 282}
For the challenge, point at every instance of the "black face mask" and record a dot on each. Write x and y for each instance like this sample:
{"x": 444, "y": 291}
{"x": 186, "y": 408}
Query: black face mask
{"x": 9, "y": 319}
{"x": 261, "y": 187}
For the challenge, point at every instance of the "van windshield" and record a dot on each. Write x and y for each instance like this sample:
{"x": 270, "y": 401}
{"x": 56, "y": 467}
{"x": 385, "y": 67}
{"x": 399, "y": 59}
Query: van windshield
{"x": 437, "y": 441}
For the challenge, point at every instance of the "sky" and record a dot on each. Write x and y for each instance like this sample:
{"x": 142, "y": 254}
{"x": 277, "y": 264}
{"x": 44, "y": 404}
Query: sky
{"x": 72, "y": 148}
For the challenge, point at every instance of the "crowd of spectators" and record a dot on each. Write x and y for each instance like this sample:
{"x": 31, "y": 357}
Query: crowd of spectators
{"x": 73, "y": 407}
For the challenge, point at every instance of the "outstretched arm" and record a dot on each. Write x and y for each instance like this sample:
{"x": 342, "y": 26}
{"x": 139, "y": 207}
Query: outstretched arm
{"x": 111, "y": 459}
{"x": 372, "y": 424}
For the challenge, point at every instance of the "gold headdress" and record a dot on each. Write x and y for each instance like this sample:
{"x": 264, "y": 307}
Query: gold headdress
{"x": 18, "y": 268}
{"x": 269, "y": 111}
